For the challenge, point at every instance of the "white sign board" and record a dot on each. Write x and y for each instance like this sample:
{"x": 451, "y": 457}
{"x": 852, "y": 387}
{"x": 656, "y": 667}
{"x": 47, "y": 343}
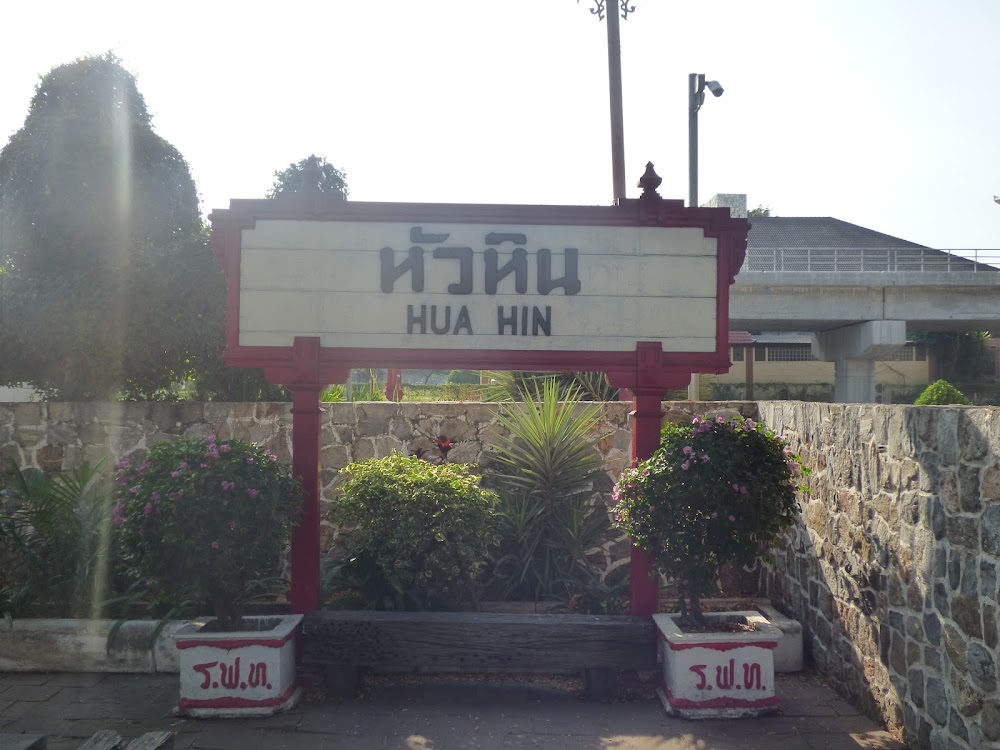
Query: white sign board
{"x": 387, "y": 285}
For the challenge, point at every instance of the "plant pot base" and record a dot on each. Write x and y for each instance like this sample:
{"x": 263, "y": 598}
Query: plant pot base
{"x": 713, "y": 712}
{"x": 224, "y": 711}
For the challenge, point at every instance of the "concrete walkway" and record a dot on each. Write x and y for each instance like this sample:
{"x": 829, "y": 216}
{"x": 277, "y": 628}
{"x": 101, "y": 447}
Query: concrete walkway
{"x": 430, "y": 714}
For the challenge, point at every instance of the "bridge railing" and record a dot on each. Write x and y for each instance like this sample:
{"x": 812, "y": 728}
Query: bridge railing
{"x": 888, "y": 259}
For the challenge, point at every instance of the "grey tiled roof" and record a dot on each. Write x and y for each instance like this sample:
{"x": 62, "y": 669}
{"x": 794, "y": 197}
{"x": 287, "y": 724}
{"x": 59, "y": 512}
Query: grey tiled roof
{"x": 777, "y": 232}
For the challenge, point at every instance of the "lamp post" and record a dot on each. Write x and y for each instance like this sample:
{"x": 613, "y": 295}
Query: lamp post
{"x": 615, "y": 89}
{"x": 696, "y": 97}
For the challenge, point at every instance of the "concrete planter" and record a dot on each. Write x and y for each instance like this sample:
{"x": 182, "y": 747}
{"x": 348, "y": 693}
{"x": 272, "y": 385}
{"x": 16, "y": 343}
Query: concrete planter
{"x": 717, "y": 675}
{"x": 245, "y": 673}
{"x": 72, "y": 645}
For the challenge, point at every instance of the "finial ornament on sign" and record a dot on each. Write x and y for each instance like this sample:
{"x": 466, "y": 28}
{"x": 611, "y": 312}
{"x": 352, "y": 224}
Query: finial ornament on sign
{"x": 650, "y": 181}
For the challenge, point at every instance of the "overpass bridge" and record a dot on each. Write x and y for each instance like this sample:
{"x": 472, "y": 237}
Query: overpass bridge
{"x": 858, "y": 292}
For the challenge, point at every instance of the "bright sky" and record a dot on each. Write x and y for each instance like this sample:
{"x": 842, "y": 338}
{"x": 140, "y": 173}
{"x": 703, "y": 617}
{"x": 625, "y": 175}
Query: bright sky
{"x": 880, "y": 112}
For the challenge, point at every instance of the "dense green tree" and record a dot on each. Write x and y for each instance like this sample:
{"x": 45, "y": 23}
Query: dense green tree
{"x": 111, "y": 285}
{"x": 314, "y": 169}
{"x": 760, "y": 211}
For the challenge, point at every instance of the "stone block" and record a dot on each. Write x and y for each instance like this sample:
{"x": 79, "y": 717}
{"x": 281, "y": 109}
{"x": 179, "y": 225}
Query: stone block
{"x": 963, "y": 531}
{"x": 936, "y": 700}
{"x": 990, "y": 719}
{"x": 956, "y": 725}
{"x": 966, "y": 614}
{"x": 968, "y": 484}
{"x": 915, "y": 682}
{"x": 990, "y": 521}
{"x": 982, "y": 667}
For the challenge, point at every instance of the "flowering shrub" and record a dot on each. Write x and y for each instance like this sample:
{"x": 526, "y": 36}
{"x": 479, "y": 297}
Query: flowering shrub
{"x": 715, "y": 491}
{"x": 206, "y": 520}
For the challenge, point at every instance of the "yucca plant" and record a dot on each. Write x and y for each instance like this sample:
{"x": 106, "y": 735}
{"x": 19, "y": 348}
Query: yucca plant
{"x": 546, "y": 466}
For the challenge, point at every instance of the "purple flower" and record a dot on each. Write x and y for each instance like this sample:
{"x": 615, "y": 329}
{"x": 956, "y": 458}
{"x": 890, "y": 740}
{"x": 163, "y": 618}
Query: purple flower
{"x": 133, "y": 490}
{"x": 225, "y": 448}
{"x": 148, "y": 509}
{"x": 125, "y": 464}
{"x": 253, "y": 493}
{"x": 272, "y": 456}
{"x": 215, "y": 545}
{"x": 715, "y": 514}
{"x": 184, "y": 465}
{"x": 686, "y": 465}
{"x": 175, "y": 474}
{"x": 210, "y": 439}
{"x": 227, "y": 485}
{"x": 249, "y": 460}
{"x": 704, "y": 458}
{"x": 732, "y": 518}
{"x": 119, "y": 520}
{"x": 688, "y": 450}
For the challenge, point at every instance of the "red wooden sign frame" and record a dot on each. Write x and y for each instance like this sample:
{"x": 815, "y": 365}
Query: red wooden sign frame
{"x": 307, "y": 368}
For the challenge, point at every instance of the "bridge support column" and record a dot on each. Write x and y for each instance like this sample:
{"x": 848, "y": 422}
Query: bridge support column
{"x": 853, "y": 351}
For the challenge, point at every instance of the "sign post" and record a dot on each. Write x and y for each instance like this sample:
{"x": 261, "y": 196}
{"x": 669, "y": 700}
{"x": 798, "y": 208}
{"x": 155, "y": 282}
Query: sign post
{"x": 317, "y": 285}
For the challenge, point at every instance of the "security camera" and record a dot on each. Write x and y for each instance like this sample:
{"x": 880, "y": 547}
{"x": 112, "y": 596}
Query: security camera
{"x": 714, "y": 87}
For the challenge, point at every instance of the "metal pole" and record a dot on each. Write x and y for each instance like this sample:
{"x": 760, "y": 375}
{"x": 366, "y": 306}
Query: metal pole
{"x": 696, "y": 85}
{"x": 615, "y": 86}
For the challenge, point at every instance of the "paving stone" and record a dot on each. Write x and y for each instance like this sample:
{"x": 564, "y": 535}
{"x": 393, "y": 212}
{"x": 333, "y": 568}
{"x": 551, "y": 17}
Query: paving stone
{"x": 30, "y": 693}
{"x": 23, "y": 678}
{"x": 229, "y": 738}
{"x": 76, "y": 679}
{"x": 22, "y": 741}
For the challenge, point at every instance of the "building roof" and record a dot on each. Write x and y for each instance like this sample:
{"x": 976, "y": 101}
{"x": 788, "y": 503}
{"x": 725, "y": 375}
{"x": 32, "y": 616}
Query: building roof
{"x": 800, "y": 232}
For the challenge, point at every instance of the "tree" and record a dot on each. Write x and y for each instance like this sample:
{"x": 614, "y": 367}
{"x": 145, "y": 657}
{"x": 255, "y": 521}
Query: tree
{"x": 296, "y": 176}
{"x": 110, "y": 283}
{"x": 760, "y": 211}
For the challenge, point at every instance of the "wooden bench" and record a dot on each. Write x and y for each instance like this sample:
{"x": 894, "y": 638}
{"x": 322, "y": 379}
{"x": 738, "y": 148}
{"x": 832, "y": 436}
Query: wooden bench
{"x": 599, "y": 646}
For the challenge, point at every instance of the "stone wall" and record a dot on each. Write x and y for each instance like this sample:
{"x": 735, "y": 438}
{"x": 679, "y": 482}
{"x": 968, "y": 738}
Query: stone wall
{"x": 893, "y": 569}
{"x": 59, "y": 436}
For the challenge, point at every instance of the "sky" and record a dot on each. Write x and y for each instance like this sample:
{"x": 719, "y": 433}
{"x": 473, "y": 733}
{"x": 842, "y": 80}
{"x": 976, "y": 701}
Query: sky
{"x": 884, "y": 113}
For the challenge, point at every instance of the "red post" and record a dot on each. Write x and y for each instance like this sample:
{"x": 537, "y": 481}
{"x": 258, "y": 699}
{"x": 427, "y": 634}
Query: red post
{"x": 305, "y": 464}
{"x": 647, "y": 418}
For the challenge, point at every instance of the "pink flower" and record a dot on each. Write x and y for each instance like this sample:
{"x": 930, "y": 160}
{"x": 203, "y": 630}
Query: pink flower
{"x": 184, "y": 464}
{"x": 253, "y": 493}
{"x": 225, "y": 448}
{"x": 232, "y": 525}
{"x": 133, "y": 490}
{"x": 124, "y": 464}
{"x": 686, "y": 465}
{"x": 210, "y": 439}
{"x": 175, "y": 474}
{"x": 227, "y": 485}
{"x": 272, "y": 456}
{"x": 736, "y": 487}
{"x": 119, "y": 520}
{"x": 215, "y": 545}
{"x": 715, "y": 514}
{"x": 704, "y": 458}
{"x": 250, "y": 460}
{"x": 688, "y": 450}
{"x": 204, "y": 466}
{"x": 148, "y": 509}
{"x": 732, "y": 518}
{"x": 155, "y": 496}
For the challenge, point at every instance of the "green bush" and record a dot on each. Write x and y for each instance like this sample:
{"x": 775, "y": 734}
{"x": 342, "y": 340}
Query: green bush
{"x": 55, "y": 555}
{"x": 425, "y": 528}
{"x": 466, "y": 377}
{"x": 941, "y": 393}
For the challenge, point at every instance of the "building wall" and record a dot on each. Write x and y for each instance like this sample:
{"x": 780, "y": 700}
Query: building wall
{"x": 769, "y": 368}
{"x": 893, "y": 567}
